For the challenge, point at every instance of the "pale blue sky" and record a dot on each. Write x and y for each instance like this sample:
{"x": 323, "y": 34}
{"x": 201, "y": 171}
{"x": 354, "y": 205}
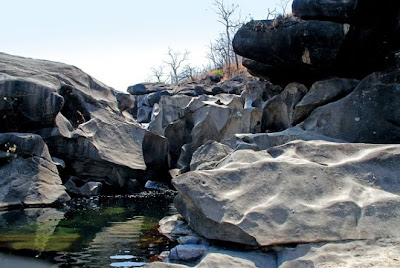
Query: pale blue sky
{"x": 116, "y": 41}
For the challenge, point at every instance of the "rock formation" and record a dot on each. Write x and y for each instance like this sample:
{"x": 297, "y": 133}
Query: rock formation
{"x": 321, "y": 170}
{"x": 78, "y": 118}
{"x": 325, "y": 38}
{"x": 28, "y": 175}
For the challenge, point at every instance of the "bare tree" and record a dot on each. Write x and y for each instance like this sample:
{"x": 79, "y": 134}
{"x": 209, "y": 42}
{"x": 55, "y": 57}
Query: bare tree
{"x": 283, "y": 4}
{"x": 159, "y": 74}
{"x": 175, "y": 61}
{"x": 271, "y": 14}
{"x": 217, "y": 53}
{"x": 225, "y": 13}
{"x": 189, "y": 73}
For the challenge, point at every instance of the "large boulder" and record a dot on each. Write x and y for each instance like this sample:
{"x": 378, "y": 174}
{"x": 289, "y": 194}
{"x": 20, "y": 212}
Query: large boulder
{"x": 340, "y": 11}
{"x": 81, "y": 123}
{"x": 342, "y": 38}
{"x": 306, "y": 49}
{"x": 28, "y": 175}
{"x": 300, "y": 192}
{"x": 370, "y": 113}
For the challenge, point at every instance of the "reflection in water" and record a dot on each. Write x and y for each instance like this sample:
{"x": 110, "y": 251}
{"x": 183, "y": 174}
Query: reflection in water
{"x": 96, "y": 232}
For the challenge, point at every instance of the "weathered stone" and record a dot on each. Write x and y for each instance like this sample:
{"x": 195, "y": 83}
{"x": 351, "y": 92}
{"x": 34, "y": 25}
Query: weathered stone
{"x": 257, "y": 92}
{"x": 27, "y": 174}
{"x": 187, "y": 252}
{"x": 88, "y": 132}
{"x": 289, "y": 49}
{"x": 368, "y": 114}
{"x": 279, "y": 111}
{"x": 174, "y": 227}
{"x": 207, "y": 155}
{"x": 77, "y": 187}
{"x": 224, "y": 261}
{"x": 379, "y": 253}
{"x": 263, "y": 141}
{"x": 138, "y": 89}
{"x": 155, "y": 185}
{"x": 340, "y": 11}
{"x": 321, "y": 93}
{"x": 327, "y": 192}
{"x": 126, "y": 102}
{"x": 296, "y": 46}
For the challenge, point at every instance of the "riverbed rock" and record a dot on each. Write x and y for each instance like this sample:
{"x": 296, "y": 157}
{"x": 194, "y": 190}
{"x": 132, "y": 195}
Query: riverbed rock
{"x": 87, "y": 131}
{"x": 187, "y": 253}
{"x": 375, "y": 253}
{"x": 370, "y": 113}
{"x": 28, "y": 175}
{"x": 77, "y": 187}
{"x": 327, "y": 192}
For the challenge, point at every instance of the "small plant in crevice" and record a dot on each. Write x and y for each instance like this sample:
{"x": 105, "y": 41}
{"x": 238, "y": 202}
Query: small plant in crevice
{"x": 9, "y": 151}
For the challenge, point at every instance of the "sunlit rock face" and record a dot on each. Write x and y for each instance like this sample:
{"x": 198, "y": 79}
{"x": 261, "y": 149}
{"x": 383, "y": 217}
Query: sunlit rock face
{"x": 300, "y": 192}
{"x": 28, "y": 175}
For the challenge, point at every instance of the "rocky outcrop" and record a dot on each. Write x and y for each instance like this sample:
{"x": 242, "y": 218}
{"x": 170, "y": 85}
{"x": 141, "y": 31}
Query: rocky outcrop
{"x": 28, "y": 175}
{"x": 78, "y": 118}
{"x": 321, "y": 93}
{"x": 300, "y": 192}
{"x": 343, "y": 38}
{"x": 369, "y": 114}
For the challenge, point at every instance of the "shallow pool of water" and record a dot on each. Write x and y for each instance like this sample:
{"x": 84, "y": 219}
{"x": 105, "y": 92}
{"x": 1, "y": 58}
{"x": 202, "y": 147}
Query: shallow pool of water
{"x": 89, "y": 232}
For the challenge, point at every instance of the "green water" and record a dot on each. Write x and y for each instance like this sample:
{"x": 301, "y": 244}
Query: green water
{"x": 96, "y": 232}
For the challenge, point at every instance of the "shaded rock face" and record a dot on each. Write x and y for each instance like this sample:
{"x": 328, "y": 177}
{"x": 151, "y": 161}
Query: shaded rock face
{"x": 279, "y": 111}
{"x": 321, "y": 93}
{"x": 300, "y": 192}
{"x": 27, "y": 174}
{"x": 369, "y": 114}
{"x": 343, "y": 38}
{"x": 79, "y": 119}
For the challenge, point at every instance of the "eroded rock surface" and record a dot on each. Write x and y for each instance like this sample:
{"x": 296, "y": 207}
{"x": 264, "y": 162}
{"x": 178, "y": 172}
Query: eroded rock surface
{"x": 300, "y": 192}
{"x": 28, "y": 176}
{"x": 79, "y": 119}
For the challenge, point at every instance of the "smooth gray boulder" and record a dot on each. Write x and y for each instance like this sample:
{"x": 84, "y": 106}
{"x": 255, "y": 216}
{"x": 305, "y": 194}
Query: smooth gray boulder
{"x": 370, "y": 113}
{"x": 300, "y": 192}
{"x": 28, "y": 175}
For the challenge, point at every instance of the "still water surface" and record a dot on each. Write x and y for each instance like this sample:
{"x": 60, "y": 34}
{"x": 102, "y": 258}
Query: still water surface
{"x": 89, "y": 232}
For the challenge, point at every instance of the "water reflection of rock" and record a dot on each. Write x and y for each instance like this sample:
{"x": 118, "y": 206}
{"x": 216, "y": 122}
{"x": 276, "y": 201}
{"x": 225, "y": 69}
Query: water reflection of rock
{"x": 126, "y": 238}
{"x": 30, "y": 229}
